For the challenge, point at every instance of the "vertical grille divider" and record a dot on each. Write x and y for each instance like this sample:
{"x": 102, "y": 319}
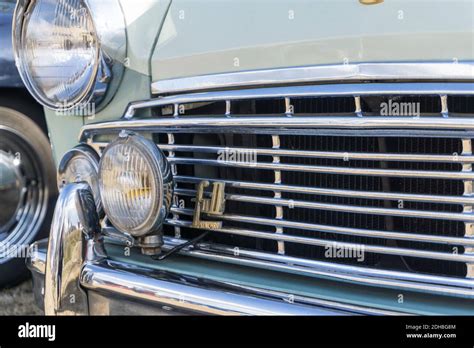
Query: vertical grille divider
{"x": 228, "y": 108}
{"x": 174, "y": 170}
{"x": 444, "y": 106}
{"x": 289, "y": 111}
{"x": 277, "y": 194}
{"x": 358, "y": 106}
{"x": 468, "y": 209}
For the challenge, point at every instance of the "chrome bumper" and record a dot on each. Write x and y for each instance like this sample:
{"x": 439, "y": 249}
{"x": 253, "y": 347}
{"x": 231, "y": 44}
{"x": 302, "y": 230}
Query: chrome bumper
{"x": 75, "y": 277}
{"x": 115, "y": 289}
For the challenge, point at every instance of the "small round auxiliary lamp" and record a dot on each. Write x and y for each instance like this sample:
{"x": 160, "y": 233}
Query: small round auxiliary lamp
{"x": 136, "y": 187}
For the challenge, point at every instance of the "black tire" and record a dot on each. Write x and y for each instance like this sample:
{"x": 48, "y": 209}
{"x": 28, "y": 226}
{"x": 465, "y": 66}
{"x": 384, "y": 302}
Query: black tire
{"x": 19, "y": 131}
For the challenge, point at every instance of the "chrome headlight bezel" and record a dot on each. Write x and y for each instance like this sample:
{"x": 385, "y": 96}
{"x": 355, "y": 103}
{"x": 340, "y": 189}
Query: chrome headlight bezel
{"x": 90, "y": 155}
{"x": 161, "y": 179}
{"x": 109, "y": 24}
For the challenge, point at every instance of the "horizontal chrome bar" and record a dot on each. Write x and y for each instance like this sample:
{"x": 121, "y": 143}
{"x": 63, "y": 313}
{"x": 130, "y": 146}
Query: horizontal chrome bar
{"x": 315, "y": 241}
{"x": 210, "y": 123}
{"x": 441, "y": 285}
{"x": 340, "y": 207}
{"x": 333, "y": 90}
{"x": 122, "y": 280}
{"x": 332, "y": 192}
{"x": 346, "y": 156}
{"x": 327, "y": 170}
{"x": 319, "y": 74}
{"x": 364, "y": 275}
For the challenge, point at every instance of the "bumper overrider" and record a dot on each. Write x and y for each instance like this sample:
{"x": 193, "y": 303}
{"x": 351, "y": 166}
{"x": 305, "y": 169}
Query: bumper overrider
{"x": 77, "y": 278}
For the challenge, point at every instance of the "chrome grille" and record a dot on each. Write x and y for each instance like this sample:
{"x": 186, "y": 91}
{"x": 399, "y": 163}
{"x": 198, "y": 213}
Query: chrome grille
{"x": 399, "y": 186}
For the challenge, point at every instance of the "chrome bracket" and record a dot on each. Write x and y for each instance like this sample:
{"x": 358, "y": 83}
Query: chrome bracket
{"x": 214, "y": 206}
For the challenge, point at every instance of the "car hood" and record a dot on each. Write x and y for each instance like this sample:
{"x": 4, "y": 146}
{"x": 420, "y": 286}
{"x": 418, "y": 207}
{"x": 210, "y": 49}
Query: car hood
{"x": 200, "y": 38}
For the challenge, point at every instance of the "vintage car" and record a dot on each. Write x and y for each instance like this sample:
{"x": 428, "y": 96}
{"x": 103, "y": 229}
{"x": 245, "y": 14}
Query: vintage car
{"x": 259, "y": 158}
{"x": 28, "y": 187}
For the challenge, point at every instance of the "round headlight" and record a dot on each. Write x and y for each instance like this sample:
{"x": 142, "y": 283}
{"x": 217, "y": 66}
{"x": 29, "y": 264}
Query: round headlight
{"x": 60, "y": 53}
{"x": 81, "y": 164}
{"x": 136, "y": 185}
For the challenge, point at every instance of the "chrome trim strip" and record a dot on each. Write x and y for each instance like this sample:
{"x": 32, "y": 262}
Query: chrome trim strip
{"x": 333, "y": 192}
{"x": 346, "y": 156}
{"x": 308, "y": 267}
{"x": 283, "y": 122}
{"x": 333, "y": 90}
{"x": 278, "y": 295}
{"x": 288, "y": 203}
{"x": 363, "y": 275}
{"x": 319, "y": 74}
{"x": 396, "y": 173}
{"x": 319, "y": 242}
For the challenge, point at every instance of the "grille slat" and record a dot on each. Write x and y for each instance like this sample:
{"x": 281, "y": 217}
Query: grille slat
{"x": 331, "y": 155}
{"x": 327, "y": 170}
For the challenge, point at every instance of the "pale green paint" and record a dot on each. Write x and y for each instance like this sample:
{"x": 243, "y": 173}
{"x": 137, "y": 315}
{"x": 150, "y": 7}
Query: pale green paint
{"x": 215, "y": 36}
{"x": 63, "y": 131}
{"x": 143, "y": 19}
{"x": 134, "y": 86}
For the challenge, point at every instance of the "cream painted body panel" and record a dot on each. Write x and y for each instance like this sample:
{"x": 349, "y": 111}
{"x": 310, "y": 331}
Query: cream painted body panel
{"x": 216, "y": 36}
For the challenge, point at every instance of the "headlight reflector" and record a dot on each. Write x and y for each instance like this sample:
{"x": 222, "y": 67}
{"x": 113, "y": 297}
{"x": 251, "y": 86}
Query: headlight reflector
{"x": 81, "y": 164}
{"x": 136, "y": 185}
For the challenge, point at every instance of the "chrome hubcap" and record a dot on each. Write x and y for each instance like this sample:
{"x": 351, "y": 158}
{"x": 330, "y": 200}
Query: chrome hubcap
{"x": 23, "y": 191}
{"x": 12, "y": 190}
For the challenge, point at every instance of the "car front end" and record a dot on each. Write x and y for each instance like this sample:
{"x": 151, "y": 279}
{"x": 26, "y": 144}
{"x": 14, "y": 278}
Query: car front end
{"x": 238, "y": 158}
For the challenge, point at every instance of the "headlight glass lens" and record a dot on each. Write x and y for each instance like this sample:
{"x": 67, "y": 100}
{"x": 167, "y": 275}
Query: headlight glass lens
{"x": 81, "y": 165}
{"x": 60, "y": 51}
{"x": 131, "y": 185}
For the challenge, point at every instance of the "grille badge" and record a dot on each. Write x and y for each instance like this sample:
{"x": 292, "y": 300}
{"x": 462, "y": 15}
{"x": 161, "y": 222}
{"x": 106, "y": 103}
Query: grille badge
{"x": 214, "y": 206}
